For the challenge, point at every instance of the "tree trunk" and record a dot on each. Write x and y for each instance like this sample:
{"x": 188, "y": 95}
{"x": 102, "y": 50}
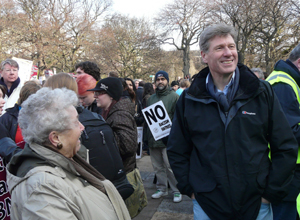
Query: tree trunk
{"x": 186, "y": 62}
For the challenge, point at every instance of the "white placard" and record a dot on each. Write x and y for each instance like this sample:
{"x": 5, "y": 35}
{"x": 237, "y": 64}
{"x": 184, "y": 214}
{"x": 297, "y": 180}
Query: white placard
{"x": 25, "y": 68}
{"x": 140, "y": 142}
{"x": 158, "y": 120}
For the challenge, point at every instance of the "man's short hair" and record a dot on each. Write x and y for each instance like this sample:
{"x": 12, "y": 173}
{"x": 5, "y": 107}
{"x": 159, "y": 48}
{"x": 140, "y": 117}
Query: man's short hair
{"x": 185, "y": 83}
{"x": 113, "y": 74}
{"x": 11, "y": 62}
{"x": 295, "y": 54}
{"x": 259, "y": 71}
{"x": 89, "y": 68}
{"x": 215, "y": 30}
{"x": 141, "y": 83}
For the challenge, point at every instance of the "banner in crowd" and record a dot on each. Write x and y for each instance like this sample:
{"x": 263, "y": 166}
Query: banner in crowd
{"x": 25, "y": 68}
{"x": 140, "y": 142}
{"x": 158, "y": 120}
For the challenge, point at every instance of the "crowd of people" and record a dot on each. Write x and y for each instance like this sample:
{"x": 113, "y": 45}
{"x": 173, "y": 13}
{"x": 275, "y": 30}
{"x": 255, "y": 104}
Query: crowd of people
{"x": 68, "y": 147}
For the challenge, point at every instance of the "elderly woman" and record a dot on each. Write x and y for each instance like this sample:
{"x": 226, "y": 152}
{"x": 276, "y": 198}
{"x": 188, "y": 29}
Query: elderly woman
{"x": 2, "y": 96}
{"x": 48, "y": 180}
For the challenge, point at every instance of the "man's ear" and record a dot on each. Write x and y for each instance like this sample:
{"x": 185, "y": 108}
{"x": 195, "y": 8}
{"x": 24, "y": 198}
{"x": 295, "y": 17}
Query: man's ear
{"x": 297, "y": 63}
{"x": 53, "y": 138}
{"x": 203, "y": 55}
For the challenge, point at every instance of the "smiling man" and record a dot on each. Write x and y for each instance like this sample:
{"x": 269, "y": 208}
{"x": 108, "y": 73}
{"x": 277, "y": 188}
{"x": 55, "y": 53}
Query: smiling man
{"x": 10, "y": 79}
{"x": 218, "y": 145}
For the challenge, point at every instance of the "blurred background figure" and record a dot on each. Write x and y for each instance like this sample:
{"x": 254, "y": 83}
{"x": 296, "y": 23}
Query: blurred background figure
{"x": 10, "y": 118}
{"x": 183, "y": 84}
{"x": 174, "y": 85}
{"x": 48, "y": 175}
{"x": 86, "y": 98}
{"x": 88, "y": 67}
{"x": 2, "y": 96}
{"x": 113, "y": 74}
{"x": 259, "y": 73}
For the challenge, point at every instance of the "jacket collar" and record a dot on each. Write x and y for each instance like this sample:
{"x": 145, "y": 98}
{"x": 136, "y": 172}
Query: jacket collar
{"x": 14, "y": 85}
{"x": 289, "y": 68}
{"x": 248, "y": 84}
{"x": 164, "y": 92}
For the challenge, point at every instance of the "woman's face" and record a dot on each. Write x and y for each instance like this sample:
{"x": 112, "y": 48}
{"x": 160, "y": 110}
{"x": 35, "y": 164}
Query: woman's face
{"x": 103, "y": 99}
{"x": 70, "y": 137}
{"x": 129, "y": 84}
{"x": 2, "y": 101}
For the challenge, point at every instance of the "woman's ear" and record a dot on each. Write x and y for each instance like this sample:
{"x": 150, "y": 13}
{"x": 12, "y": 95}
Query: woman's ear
{"x": 53, "y": 138}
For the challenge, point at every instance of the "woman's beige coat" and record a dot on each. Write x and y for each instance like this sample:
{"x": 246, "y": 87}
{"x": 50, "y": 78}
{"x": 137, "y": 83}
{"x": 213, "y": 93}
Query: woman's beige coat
{"x": 59, "y": 192}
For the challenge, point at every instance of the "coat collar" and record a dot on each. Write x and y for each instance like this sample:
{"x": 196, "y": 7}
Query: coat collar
{"x": 248, "y": 84}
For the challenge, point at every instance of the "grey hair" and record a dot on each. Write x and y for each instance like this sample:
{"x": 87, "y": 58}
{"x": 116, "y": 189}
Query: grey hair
{"x": 259, "y": 71}
{"x": 215, "y": 30}
{"x": 295, "y": 54}
{"x": 44, "y": 112}
{"x": 10, "y": 62}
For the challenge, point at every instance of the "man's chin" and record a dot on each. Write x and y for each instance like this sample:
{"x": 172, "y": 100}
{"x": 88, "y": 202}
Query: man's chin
{"x": 161, "y": 87}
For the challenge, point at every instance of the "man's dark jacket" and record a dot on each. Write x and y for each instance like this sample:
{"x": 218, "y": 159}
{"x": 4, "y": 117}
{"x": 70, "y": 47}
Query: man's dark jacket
{"x": 223, "y": 158}
{"x": 10, "y": 120}
{"x": 290, "y": 107}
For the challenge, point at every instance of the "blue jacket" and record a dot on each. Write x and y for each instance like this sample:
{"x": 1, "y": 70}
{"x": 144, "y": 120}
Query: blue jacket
{"x": 223, "y": 158}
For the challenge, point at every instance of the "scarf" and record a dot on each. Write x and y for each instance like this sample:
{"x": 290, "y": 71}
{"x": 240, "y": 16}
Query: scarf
{"x": 224, "y": 100}
{"x": 106, "y": 112}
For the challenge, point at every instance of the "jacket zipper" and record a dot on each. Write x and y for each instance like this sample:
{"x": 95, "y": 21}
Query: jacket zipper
{"x": 85, "y": 134}
{"x": 104, "y": 142}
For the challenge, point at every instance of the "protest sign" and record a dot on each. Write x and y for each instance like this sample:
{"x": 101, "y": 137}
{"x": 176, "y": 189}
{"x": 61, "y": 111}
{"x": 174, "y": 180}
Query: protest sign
{"x": 25, "y": 68}
{"x": 158, "y": 120}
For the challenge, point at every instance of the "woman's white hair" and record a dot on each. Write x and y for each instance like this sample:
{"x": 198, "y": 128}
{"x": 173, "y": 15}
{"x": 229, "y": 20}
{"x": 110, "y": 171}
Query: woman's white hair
{"x": 44, "y": 112}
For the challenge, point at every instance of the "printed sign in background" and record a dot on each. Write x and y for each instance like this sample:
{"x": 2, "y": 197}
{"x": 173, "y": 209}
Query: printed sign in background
{"x": 140, "y": 142}
{"x": 25, "y": 68}
{"x": 158, "y": 120}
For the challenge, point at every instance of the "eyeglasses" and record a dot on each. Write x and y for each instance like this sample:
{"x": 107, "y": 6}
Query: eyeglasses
{"x": 100, "y": 93}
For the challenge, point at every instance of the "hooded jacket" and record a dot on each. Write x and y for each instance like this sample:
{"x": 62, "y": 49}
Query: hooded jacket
{"x": 121, "y": 120}
{"x": 169, "y": 98}
{"x": 223, "y": 157}
{"x": 45, "y": 185}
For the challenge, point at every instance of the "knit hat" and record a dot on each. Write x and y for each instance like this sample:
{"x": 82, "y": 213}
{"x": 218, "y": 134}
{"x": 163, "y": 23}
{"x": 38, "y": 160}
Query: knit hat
{"x": 160, "y": 74}
{"x": 111, "y": 85}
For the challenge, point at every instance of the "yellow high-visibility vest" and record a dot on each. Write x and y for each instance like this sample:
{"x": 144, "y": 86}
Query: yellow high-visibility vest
{"x": 282, "y": 77}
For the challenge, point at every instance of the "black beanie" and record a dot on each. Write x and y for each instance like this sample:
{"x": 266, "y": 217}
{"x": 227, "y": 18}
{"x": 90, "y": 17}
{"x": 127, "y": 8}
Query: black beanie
{"x": 111, "y": 85}
{"x": 160, "y": 74}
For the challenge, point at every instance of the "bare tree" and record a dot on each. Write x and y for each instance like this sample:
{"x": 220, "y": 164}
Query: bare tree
{"x": 186, "y": 18}
{"x": 128, "y": 46}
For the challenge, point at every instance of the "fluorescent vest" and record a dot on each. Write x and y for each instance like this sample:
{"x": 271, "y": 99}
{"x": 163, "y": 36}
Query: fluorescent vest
{"x": 282, "y": 77}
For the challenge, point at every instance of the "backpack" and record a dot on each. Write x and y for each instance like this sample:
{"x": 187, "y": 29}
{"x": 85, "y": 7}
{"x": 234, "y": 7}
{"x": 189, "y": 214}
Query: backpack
{"x": 104, "y": 154}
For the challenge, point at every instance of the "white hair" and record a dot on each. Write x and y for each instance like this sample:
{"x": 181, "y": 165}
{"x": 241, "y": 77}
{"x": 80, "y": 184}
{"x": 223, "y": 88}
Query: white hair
{"x": 46, "y": 111}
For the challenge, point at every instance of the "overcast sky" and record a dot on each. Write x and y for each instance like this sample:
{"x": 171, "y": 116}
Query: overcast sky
{"x": 139, "y": 8}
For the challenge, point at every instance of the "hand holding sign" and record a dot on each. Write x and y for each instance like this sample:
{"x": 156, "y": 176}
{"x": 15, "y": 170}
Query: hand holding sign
{"x": 158, "y": 120}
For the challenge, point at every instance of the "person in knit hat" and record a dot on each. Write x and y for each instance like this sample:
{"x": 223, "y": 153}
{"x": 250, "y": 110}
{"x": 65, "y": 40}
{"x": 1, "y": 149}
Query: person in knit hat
{"x": 119, "y": 114}
{"x": 86, "y": 98}
{"x": 158, "y": 151}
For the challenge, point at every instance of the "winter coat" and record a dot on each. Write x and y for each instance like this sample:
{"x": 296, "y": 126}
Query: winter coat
{"x": 10, "y": 120}
{"x": 224, "y": 158}
{"x": 121, "y": 120}
{"x": 14, "y": 96}
{"x": 169, "y": 98}
{"x": 45, "y": 185}
{"x": 290, "y": 106}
